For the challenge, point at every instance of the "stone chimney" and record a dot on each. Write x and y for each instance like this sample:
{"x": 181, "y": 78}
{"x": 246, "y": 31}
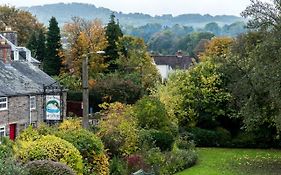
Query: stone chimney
{"x": 10, "y": 35}
{"x": 5, "y": 51}
{"x": 179, "y": 54}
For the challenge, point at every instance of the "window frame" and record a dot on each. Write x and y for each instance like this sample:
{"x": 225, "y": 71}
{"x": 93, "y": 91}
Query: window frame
{"x": 32, "y": 103}
{"x": 4, "y": 102}
{"x": 3, "y": 129}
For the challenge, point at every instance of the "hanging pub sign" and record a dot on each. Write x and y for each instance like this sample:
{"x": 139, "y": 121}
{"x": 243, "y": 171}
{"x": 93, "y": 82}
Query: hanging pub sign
{"x": 53, "y": 107}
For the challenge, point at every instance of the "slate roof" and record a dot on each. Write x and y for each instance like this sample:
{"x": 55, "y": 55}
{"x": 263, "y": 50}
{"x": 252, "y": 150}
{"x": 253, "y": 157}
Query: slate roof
{"x": 22, "y": 78}
{"x": 176, "y": 62}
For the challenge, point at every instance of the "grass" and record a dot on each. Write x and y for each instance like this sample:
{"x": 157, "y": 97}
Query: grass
{"x": 220, "y": 161}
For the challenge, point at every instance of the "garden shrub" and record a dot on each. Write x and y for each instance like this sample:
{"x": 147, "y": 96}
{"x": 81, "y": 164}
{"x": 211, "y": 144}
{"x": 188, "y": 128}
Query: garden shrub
{"x": 90, "y": 147}
{"x": 203, "y": 137}
{"x": 44, "y": 129}
{"x": 151, "y": 114}
{"x": 29, "y": 134}
{"x": 113, "y": 88}
{"x": 244, "y": 140}
{"x": 118, "y": 166}
{"x": 224, "y": 136}
{"x": 136, "y": 162}
{"x": 6, "y": 148}
{"x": 118, "y": 130}
{"x": 184, "y": 142}
{"x": 47, "y": 167}
{"x": 264, "y": 136}
{"x": 210, "y": 138}
{"x": 178, "y": 160}
{"x": 10, "y": 167}
{"x": 85, "y": 141}
{"x": 71, "y": 124}
{"x": 101, "y": 164}
{"x": 155, "y": 138}
{"x": 166, "y": 163}
{"x": 52, "y": 148}
{"x": 155, "y": 159}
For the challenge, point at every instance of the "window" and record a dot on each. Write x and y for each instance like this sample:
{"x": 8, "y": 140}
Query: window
{"x": 3, "y": 103}
{"x": 32, "y": 102}
{"x": 34, "y": 124}
{"x": 2, "y": 131}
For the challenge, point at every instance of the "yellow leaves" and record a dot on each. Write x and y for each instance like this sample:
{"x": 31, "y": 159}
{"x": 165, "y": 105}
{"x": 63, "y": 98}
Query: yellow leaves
{"x": 70, "y": 124}
{"x": 92, "y": 83}
{"x": 85, "y": 37}
{"x": 217, "y": 47}
{"x": 119, "y": 127}
{"x": 52, "y": 148}
{"x": 83, "y": 42}
{"x": 101, "y": 164}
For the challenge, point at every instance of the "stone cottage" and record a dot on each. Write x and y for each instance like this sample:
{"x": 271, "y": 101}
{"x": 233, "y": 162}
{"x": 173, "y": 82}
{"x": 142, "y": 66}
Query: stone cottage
{"x": 27, "y": 94}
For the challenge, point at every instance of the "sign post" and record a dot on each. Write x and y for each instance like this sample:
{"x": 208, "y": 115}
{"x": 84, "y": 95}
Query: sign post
{"x": 53, "y": 107}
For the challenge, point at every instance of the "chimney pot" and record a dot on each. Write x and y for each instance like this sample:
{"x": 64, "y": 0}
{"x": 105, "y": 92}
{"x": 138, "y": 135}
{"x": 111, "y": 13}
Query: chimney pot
{"x": 8, "y": 29}
{"x": 179, "y": 53}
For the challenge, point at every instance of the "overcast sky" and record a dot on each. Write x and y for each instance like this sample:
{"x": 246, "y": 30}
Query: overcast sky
{"x": 154, "y": 7}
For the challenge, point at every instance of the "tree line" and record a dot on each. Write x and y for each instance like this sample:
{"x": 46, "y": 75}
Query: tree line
{"x": 232, "y": 96}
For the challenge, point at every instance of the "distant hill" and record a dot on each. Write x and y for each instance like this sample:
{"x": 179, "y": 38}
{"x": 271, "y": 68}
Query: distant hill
{"x": 63, "y": 12}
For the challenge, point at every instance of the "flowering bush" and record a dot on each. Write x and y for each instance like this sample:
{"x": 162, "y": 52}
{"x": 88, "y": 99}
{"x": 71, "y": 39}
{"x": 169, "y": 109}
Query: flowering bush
{"x": 135, "y": 162}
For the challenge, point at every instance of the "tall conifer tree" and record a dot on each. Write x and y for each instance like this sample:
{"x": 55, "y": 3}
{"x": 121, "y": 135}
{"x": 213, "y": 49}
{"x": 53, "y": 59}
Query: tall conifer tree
{"x": 52, "y": 61}
{"x": 32, "y": 44}
{"x": 41, "y": 46}
{"x": 37, "y": 45}
{"x": 113, "y": 33}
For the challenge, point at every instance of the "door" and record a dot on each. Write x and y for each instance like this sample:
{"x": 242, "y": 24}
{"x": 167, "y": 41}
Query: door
{"x": 13, "y": 131}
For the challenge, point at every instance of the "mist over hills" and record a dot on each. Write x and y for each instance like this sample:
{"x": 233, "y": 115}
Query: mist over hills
{"x": 63, "y": 12}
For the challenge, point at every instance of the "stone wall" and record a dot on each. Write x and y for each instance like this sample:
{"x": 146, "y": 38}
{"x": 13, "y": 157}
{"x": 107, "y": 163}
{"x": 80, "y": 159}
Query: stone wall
{"x": 19, "y": 113}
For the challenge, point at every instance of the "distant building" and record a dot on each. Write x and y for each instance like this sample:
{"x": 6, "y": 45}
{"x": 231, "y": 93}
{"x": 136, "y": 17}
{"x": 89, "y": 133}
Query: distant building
{"x": 166, "y": 64}
{"x": 25, "y": 97}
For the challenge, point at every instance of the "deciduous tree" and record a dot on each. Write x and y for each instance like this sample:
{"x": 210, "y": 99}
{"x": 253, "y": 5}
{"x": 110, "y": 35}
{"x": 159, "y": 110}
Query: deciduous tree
{"x": 85, "y": 37}
{"x": 137, "y": 61}
{"x": 20, "y": 21}
{"x": 195, "y": 96}
{"x": 253, "y": 68}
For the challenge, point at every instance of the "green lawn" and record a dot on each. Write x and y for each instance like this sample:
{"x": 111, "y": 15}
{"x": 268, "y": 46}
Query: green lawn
{"x": 220, "y": 161}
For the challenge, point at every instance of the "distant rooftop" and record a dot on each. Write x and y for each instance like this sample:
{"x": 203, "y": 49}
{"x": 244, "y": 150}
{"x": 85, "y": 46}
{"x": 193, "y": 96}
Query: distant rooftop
{"x": 175, "y": 61}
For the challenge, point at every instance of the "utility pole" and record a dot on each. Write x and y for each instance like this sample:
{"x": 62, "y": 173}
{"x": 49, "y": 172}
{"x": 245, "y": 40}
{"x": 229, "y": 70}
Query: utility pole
{"x": 85, "y": 85}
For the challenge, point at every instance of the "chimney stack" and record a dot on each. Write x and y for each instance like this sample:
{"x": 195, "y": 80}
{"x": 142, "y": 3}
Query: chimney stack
{"x": 5, "y": 51}
{"x": 10, "y": 35}
{"x": 179, "y": 54}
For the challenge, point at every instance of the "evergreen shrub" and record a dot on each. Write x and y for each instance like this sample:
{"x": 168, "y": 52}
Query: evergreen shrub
{"x": 51, "y": 148}
{"x": 47, "y": 167}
